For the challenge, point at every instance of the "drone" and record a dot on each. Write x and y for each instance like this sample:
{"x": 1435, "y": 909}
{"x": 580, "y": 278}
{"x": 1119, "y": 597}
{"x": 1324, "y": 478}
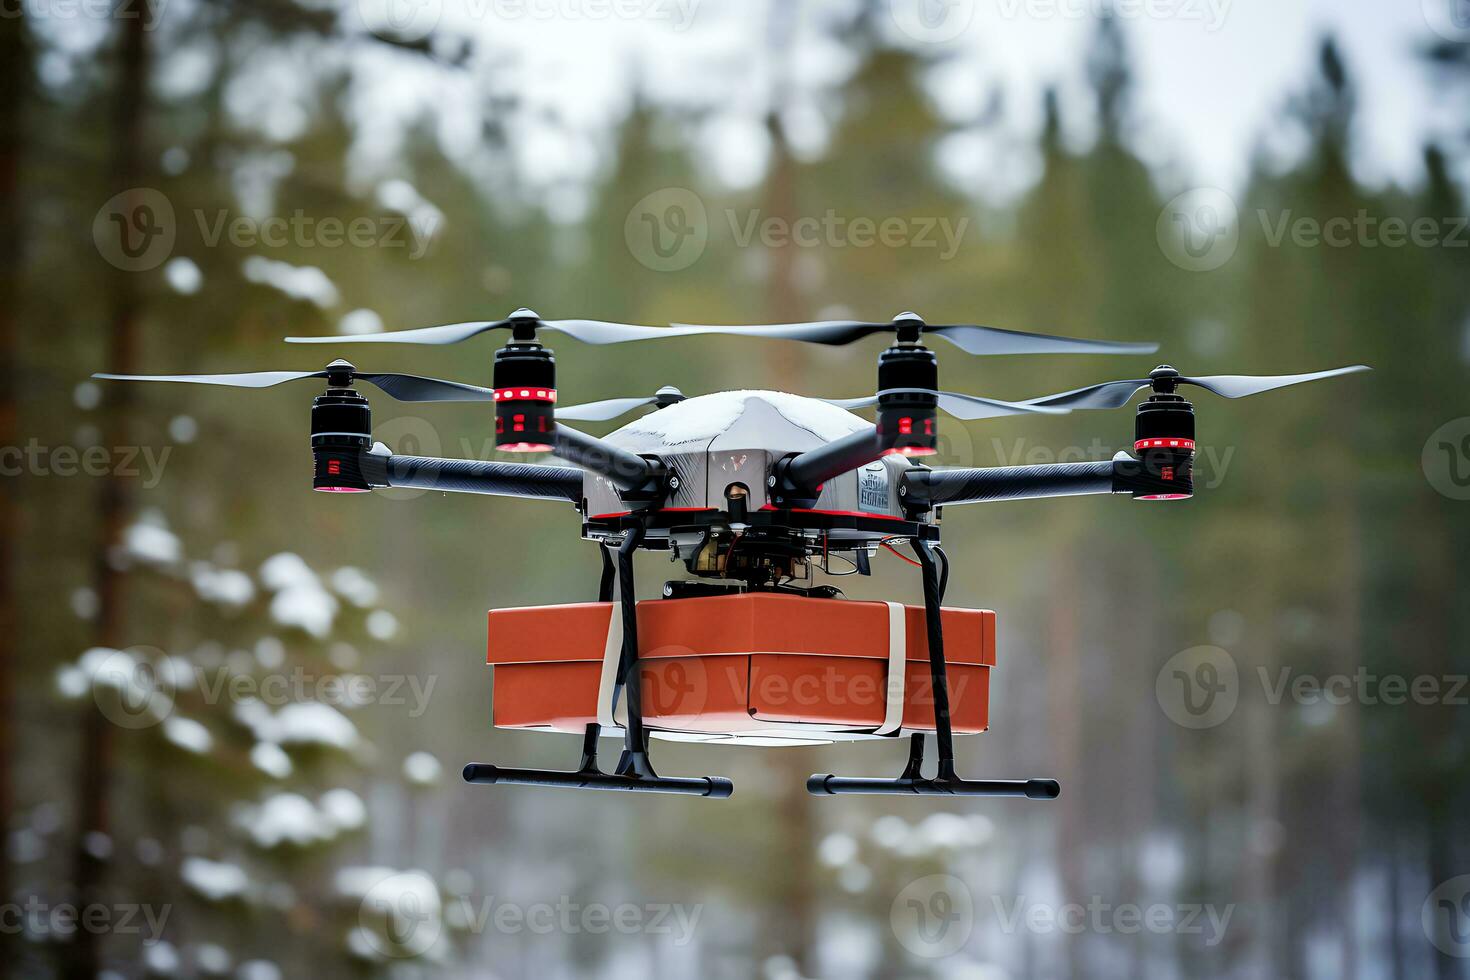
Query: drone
{"x": 752, "y": 491}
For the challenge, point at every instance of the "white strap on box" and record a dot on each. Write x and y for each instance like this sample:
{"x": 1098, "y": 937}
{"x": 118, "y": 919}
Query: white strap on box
{"x": 897, "y": 668}
{"x": 612, "y": 652}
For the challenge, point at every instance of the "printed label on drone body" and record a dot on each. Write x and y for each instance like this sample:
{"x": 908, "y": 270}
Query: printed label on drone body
{"x": 873, "y": 488}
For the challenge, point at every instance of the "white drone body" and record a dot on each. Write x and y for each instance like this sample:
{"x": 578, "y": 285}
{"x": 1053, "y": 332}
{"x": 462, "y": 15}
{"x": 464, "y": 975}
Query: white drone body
{"x": 724, "y": 445}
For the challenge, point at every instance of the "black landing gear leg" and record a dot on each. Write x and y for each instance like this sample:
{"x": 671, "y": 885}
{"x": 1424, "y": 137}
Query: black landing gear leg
{"x": 634, "y": 772}
{"x": 945, "y": 782}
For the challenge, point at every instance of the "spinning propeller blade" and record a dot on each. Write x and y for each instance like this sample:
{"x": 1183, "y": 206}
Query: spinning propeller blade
{"x": 523, "y": 323}
{"x": 970, "y": 337}
{"x": 967, "y": 407}
{"x": 1114, "y": 394}
{"x": 611, "y": 408}
{"x": 404, "y": 387}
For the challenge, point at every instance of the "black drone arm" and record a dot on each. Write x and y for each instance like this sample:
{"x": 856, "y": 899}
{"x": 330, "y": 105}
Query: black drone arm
{"x": 800, "y": 477}
{"x": 474, "y": 476}
{"x": 924, "y": 489}
{"x": 630, "y": 473}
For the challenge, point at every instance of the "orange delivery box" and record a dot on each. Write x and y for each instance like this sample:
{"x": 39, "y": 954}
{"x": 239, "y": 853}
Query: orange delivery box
{"x": 740, "y": 664}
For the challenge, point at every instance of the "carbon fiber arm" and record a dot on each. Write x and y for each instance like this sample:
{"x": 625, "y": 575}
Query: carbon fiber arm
{"x": 924, "y": 489}
{"x": 474, "y": 476}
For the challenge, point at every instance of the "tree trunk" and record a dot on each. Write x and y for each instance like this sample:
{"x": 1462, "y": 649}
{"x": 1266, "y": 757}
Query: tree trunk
{"x": 122, "y": 347}
{"x": 15, "y": 82}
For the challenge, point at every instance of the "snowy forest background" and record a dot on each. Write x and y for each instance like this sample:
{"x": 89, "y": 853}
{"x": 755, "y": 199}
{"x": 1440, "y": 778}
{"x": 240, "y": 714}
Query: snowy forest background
{"x": 232, "y": 711}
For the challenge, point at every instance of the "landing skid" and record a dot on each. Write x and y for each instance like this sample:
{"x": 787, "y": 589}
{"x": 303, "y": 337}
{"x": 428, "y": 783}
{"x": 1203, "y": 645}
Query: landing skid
{"x": 634, "y": 772}
{"x": 911, "y": 782}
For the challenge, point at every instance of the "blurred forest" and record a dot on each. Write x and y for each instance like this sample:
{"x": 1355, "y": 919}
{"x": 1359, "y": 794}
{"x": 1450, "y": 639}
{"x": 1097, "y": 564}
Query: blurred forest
{"x": 261, "y": 821}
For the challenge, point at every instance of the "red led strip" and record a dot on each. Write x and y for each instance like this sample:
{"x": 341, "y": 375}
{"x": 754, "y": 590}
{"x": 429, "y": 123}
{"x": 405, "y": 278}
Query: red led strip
{"x": 524, "y": 447}
{"x": 1164, "y": 444}
{"x": 525, "y": 394}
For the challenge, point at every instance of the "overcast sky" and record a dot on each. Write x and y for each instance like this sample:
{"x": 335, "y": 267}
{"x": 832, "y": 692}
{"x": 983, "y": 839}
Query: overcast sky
{"x": 1212, "y": 74}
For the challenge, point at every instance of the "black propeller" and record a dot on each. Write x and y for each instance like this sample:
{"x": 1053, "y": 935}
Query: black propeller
{"x": 339, "y": 374}
{"x": 1164, "y": 380}
{"x": 611, "y": 408}
{"x": 967, "y": 407}
{"x": 524, "y": 325}
{"x": 910, "y": 327}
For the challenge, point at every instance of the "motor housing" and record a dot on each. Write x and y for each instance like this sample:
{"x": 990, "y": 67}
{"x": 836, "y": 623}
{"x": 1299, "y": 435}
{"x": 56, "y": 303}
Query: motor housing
{"x": 1163, "y": 439}
{"x": 341, "y": 431}
{"x": 525, "y": 398}
{"x": 908, "y": 376}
